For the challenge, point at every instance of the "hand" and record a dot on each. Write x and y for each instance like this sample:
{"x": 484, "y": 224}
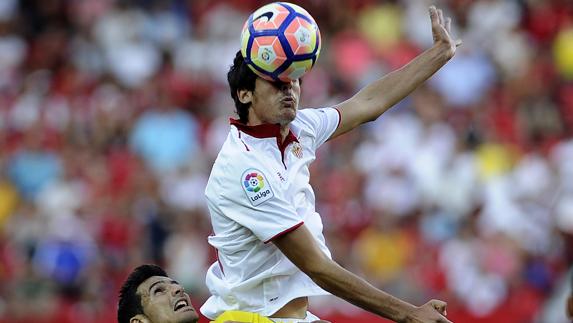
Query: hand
{"x": 442, "y": 32}
{"x": 433, "y": 311}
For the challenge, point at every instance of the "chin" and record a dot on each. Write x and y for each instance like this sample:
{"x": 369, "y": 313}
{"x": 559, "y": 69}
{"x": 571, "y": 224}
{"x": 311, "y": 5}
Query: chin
{"x": 288, "y": 117}
{"x": 188, "y": 317}
{"x": 193, "y": 319}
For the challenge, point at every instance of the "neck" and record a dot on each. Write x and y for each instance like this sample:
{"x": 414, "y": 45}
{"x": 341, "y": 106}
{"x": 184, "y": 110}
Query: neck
{"x": 284, "y": 132}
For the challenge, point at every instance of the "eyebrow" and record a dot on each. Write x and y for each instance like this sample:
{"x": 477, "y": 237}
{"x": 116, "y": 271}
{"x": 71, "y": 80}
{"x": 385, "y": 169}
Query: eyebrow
{"x": 162, "y": 282}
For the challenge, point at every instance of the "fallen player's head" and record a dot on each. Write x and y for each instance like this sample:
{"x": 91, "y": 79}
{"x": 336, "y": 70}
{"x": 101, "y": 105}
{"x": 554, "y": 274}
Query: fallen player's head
{"x": 148, "y": 295}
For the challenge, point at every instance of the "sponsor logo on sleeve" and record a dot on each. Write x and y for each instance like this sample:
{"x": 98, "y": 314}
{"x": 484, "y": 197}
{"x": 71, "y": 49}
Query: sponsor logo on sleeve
{"x": 256, "y": 186}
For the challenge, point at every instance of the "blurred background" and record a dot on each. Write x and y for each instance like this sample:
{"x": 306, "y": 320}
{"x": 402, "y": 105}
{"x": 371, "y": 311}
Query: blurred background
{"x": 112, "y": 112}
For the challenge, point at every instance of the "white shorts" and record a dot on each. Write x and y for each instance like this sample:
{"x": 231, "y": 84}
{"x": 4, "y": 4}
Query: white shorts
{"x": 309, "y": 318}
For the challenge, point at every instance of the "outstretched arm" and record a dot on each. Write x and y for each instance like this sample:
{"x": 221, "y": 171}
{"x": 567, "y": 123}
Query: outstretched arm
{"x": 377, "y": 97}
{"x": 301, "y": 248}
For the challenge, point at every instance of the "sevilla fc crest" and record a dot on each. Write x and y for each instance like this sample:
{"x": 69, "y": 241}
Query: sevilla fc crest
{"x": 297, "y": 150}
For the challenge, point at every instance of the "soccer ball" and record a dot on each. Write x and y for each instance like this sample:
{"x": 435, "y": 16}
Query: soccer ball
{"x": 280, "y": 41}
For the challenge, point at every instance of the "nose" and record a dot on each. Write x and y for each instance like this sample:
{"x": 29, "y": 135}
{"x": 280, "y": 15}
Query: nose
{"x": 285, "y": 86}
{"x": 177, "y": 289}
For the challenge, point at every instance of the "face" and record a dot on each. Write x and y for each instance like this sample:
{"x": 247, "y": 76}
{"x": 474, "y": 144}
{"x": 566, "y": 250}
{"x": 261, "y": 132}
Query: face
{"x": 272, "y": 102}
{"x": 165, "y": 301}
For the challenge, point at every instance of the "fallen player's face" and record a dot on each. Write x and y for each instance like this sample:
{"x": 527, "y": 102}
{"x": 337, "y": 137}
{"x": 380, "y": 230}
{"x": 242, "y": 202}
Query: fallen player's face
{"x": 275, "y": 102}
{"x": 165, "y": 301}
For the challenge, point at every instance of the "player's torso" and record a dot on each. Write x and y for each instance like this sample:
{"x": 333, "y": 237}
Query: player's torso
{"x": 289, "y": 169}
{"x": 258, "y": 189}
{"x": 289, "y": 166}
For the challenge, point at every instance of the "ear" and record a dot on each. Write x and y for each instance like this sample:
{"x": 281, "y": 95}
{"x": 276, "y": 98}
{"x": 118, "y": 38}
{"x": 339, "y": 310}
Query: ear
{"x": 139, "y": 318}
{"x": 570, "y": 306}
{"x": 245, "y": 96}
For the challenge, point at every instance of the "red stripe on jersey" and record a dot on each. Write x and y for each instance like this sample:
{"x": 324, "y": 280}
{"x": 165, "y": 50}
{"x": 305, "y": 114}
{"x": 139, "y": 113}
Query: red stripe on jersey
{"x": 285, "y": 231}
{"x": 339, "y": 118}
{"x": 246, "y": 147}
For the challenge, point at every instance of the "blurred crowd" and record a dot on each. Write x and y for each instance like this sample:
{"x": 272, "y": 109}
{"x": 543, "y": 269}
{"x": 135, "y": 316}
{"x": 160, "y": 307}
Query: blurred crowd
{"x": 112, "y": 112}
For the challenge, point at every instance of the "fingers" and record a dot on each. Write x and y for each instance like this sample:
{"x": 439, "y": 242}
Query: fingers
{"x": 433, "y": 15}
{"x": 449, "y": 30}
{"x": 437, "y": 16}
{"x": 449, "y": 25}
{"x": 442, "y": 27}
{"x": 440, "y": 306}
{"x": 439, "y": 23}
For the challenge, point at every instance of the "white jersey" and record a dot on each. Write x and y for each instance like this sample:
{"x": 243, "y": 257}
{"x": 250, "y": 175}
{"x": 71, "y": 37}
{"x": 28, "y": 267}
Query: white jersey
{"x": 258, "y": 190}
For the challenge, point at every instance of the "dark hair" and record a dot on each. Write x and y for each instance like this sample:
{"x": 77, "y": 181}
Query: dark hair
{"x": 240, "y": 77}
{"x": 129, "y": 301}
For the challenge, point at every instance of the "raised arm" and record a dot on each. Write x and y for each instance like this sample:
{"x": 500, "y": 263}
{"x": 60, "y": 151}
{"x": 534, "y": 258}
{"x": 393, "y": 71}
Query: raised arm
{"x": 301, "y": 248}
{"x": 377, "y": 97}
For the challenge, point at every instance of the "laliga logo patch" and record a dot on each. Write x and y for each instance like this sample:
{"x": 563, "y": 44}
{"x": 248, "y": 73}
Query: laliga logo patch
{"x": 256, "y": 186}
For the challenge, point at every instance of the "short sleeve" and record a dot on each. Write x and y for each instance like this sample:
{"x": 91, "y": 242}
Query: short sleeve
{"x": 251, "y": 196}
{"x": 321, "y": 122}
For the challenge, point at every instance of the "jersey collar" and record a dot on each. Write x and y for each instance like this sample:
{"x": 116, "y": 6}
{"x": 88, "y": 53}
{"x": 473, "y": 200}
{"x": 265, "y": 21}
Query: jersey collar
{"x": 267, "y": 131}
